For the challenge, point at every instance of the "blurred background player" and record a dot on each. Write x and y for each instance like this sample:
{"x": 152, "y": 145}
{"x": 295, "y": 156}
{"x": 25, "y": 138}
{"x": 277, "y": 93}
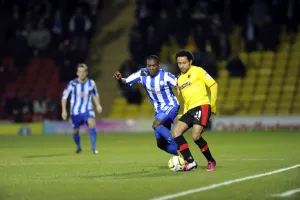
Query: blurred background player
{"x": 82, "y": 90}
{"x": 193, "y": 82}
{"x": 158, "y": 85}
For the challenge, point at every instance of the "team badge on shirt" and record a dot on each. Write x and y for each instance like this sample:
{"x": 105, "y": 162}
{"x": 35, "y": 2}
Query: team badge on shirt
{"x": 144, "y": 73}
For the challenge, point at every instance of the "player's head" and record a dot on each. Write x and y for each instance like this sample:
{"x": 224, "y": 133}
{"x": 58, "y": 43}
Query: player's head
{"x": 152, "y": 64}
{"x": 82, "y": 71}
{"x": 184, "y": 60}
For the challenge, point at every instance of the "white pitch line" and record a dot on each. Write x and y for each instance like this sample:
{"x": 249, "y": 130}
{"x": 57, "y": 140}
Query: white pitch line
{"x": 201, "y": 189}
{"x": 252, "y": 159}
{"x": 287, "y": 193}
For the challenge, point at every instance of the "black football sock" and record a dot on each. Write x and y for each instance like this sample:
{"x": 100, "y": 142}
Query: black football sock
{"x": 184, "y": 149}
{"x": 202, "y": 144}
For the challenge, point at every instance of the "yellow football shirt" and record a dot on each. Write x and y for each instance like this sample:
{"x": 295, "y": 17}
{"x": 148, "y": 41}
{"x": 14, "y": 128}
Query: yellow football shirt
{"x": 193, "y": 87}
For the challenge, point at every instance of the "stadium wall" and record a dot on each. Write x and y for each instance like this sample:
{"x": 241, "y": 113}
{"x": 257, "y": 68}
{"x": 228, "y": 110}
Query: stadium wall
{"x": 222, "y": 123}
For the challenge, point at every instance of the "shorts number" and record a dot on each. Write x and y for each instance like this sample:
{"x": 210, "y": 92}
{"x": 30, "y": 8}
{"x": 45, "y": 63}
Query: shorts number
{"x": 197, "y": 115}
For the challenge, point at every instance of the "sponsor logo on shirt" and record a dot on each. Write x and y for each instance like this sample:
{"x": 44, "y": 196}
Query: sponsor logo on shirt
{"x": 153, "y": 90}
{"x": 185, "y": 85}
{"x": 82, "y": 94}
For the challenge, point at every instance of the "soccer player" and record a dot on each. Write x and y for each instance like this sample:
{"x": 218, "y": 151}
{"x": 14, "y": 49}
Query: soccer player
{"x": 82, "y": 90}
{"x": 195, "y": 84}
{"x": 158, "y": 85}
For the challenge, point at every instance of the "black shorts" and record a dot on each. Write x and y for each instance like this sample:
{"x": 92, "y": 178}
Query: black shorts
{"x": 199, "y": 115}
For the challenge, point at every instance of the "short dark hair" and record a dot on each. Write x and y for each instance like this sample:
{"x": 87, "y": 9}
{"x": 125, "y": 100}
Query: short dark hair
{"x": 184, "y": 53}
{"x": 153, "y": 57}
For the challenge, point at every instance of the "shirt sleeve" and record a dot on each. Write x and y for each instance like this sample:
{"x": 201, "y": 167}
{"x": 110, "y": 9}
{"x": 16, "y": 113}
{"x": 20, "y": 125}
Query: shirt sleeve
{"x": 206, "y": 78}
{"x": 95, "y": 90}
{"x": 171, "y": 79}
{"x": 67, "y": 91}
{"x": 134, "y": 78}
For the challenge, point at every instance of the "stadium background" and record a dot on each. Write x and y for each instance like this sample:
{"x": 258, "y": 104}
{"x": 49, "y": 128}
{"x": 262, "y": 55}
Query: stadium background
{"x": 250, "y": 47}
{"x": 256, "y": 65}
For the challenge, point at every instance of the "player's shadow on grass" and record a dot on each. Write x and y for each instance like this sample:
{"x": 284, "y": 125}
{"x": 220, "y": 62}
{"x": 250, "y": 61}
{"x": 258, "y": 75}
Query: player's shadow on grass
{"x": 134, "y": 175}
{"x": 45, "y": 156}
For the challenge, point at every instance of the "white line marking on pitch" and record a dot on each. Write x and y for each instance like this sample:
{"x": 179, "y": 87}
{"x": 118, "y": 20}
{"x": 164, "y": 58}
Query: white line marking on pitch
{"x": 201, "y": 189}
{"x": 253, "y": 159}
{"x": 287, "y": 193}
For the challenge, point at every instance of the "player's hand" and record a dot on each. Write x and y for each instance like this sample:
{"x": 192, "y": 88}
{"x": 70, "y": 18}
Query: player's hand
{"x": 99, "y": 109}
{"x": 117, "y": 75}
{"x": 214, "y": 109}
{"x": 178, "y": 90}
{"x": 64, "y": 115}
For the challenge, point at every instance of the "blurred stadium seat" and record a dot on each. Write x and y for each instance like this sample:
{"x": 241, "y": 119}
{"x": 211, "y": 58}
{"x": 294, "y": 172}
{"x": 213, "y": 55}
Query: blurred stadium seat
{"x": 271, "y": 86}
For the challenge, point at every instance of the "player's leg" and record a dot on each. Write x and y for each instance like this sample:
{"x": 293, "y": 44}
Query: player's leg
{"x": 89, "y": 118}
{"x": 76, "y": 137}
{"x": 172, "y": 145}
{"x": 203, "y": 146}
{"x": 163, "y": 121}
{"x": 162, "y": 126}
{"x": 165, "y": 145}
{"x": 200, "y": 122}
{"x": 181, "y": 127}
{"x": 93, "y": 134}
{"x": 163, "y": 135}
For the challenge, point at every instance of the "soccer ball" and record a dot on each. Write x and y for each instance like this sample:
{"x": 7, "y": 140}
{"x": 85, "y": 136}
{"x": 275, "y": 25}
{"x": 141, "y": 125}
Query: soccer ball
{"x": 176, "y": 163}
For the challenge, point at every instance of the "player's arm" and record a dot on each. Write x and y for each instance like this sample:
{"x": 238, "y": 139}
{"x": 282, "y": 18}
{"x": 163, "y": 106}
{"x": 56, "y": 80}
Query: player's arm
{"x": 213, "y": 97}
{"x": 184, "y": 111}
{"x": 64, "y": 98}
{"x": 172, "y": 81}
{"x": 130, "y": 80}
{"x": 96, "y": 98}
{"x": 213, "y": 86}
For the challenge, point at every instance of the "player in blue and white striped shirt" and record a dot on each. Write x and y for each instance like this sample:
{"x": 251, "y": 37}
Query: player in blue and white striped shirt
{"x": 82, "y": 90}
{"x": 158, "y": 85}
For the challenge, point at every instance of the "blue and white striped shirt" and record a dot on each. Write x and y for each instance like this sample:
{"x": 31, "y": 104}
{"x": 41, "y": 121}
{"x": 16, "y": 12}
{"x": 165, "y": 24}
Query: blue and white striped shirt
{"x": 81, "y": 95}
{"x": 158, "y": 88}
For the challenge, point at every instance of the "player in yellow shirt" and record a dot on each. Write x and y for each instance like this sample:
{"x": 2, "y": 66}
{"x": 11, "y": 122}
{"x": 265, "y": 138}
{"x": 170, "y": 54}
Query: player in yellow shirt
{"x": 195, "y": 85}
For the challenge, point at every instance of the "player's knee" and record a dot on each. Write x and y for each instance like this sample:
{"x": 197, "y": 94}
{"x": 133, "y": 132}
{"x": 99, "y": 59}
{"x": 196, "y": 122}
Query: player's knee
{"x": 156, "y": 124}
{"x": 176, "y": 134}
{"x": 76, "y": 131}
{"x": 196, "y": 133}
{"x": 196, "y": 136}
{"x": 92, "y": 123}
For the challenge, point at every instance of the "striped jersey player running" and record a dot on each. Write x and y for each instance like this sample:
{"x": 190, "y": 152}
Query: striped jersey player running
{"x": 158, "y": 85}
{"x": 82, "y": 90}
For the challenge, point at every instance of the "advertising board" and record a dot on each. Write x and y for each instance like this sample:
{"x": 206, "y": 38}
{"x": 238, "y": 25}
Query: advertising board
{"x": 231, "y": 123}
{"x": 107, "y": 126}
{"x": 21, "y": 128}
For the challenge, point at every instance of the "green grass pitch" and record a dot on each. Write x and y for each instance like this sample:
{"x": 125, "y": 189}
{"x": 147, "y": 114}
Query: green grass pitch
{"x": 130, "y": 166}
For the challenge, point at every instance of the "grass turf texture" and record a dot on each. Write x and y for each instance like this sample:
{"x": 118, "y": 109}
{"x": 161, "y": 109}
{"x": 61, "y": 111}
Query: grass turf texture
{"x": 130, "y": 166}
